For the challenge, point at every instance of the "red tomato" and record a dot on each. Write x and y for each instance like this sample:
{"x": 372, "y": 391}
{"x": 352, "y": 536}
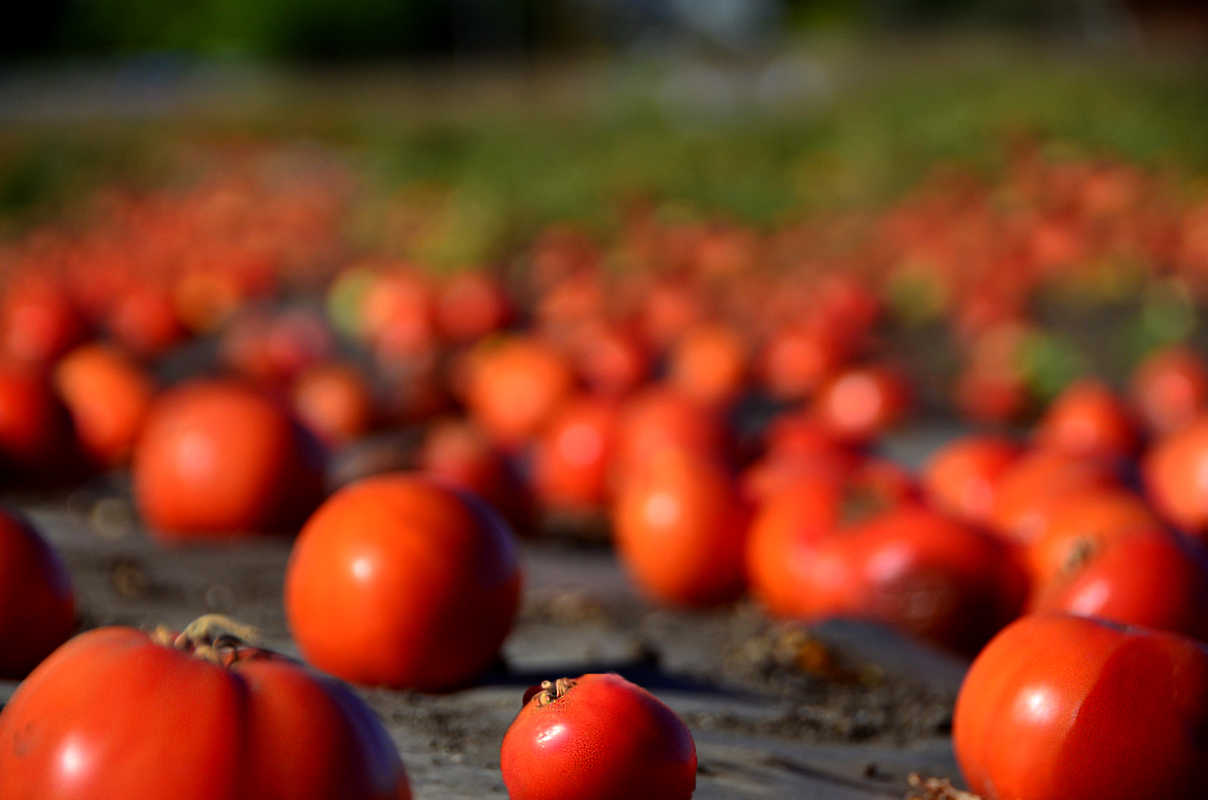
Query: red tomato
{"x": 514, "y": 386}
{"x": 796, "y": 360}
{"x": 398, "y": 580}
{"x": 108, "y": 396}
{"x": 961, "y": 478}
{"x": 662, "y": 417}
{"x": 1088, "y": 421}
{"x": 144, "y": 319}
{"x": 611, "y": 361}
{"x": 471, "y": 305}
{"x": 217, "y": 458}
{"x": 335, "y": 402}
{"x": 708, "y": 364}
{"x": 38, "y": 321}
{"x": 1150, "y": 578}
{"x": 1030, "y": 490}
{"x": 1057, "y": 707}
{"x": 35, "y": 430}
{"x": 919, "y": 572}
{"x": 598, "y": 737}
{"x": 192, "y": 718}
{"x": 37, "y": 608}
{"x": 680, "y": 529}
{"x": 1174, "y": 471}
{"x": 571, "y": 458}
{"x": 860, "y": 404}
{"x": 1170, "y": 388}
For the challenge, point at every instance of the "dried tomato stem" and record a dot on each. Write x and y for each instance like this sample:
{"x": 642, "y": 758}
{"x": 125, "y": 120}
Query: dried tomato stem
{"x": 552, "y": 690}
{"x": 212, "y": 637}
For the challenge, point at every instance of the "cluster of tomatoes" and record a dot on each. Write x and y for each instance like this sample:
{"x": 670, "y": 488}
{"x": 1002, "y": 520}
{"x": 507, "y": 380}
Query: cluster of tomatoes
{"x": 714, "y": 393}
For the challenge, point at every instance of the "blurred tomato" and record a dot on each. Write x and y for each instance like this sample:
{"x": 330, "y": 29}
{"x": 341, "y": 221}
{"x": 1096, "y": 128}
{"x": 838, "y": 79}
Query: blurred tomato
{"x": 1088, "y": 421}
{"x": 708, "y": 364}
{"x": 962, "y": 477}
{"x": 1174, "y": 471}
{"x": 37, "y": 607}
{"x": 335, "y": 402}
{"x": 108, "y": 396}
{"x": 515, "y": 385}
{"x": 1170, "y": 388}
{"x": 1031, "y": 488}
{"x": 572, "y": 456}
{"x": 860, "y": 404}
{"x": 471, "y": 305}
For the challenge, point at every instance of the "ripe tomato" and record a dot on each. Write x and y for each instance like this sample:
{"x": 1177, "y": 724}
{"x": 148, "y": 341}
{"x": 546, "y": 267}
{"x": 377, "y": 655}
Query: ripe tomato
{"x": 471, "y": 305}
{"x": 514, "y": 386}
{"x": 37, "y": 608}
{"x": 597, "y": 737}
{"x": 611, "y": 360}
{"x": 917, "y": 571}
{"x": 861, "y": 403}
{"x": 660, "y": 417}
{"x": 144, "y": 319}
{"x": 1170, "y": 388}
{"x": 571, "y": 458}
{"x": 401, "y": 581}
{"x": 1173, "y": 472}
{"x": 335, "y": 402}
{"x": 108, "y": 396}
{"x": 38, "y": 321}
{"x": 680, "y": 529}
{"x": 708, "y": 364}
{"x": 1030, "y": 490}
{"x": 35, "y": 429}
{"x": 1151, "y": 578}
{"x": 217, "y": 458}
{"x": 193, "y": 717}
{"x": 1058, "y": 706}
{"x": 962, "y": 477}
{"x": 1088, "y": 421}
{"x": 796, "y": 360}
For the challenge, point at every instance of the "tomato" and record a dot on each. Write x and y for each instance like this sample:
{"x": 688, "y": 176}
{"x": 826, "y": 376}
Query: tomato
{"x": 611, "y": 360}
{"x": 1088, "y": 421}
{"x": 396, "y": 311}
{"x": 35, "y": 430}
{"x": 572, "y": 456}
{"x": 1148, "y": 577}
{"x": 38, "y": 321}
{"x": 217, "y": 458}
{"x": 1173, "y": 472}
{"x": 1030, "y": 489}
{"x": 471, "y": 305}
{"x": 514, "y": 387}
{"x": 597, "y": 737}
{"x": 962, "y": 477}
{"x": 401, "y": 581}
{"x": 917, "y": 571}
{"x": 796, "y": 360}
{"x": 144, "y": 319}
{"x": 1057, "y": 707}
{"x": 108, "y": 396}
{"x": 116, "y": 713}
{"x": 37, "y": 607}
{"x": 335, "y": 402}
{"x": 1082, "y": 523}
{"x": 1170, "y": 388}
{"x": 662, "y": 416}
{"x": 708, "y": 364}
{"x": 457, "y": 452}
{"x": 680, "y": 529}
{"x": 861, "y": 403}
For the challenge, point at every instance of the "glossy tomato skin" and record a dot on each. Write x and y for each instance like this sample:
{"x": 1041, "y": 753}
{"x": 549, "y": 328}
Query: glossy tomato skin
{"x": 402, "y": 581}
{"x": 155, "y": 721}
{"x": 1059, "y": 706}
{"x": 680, "y": 529}
{"x": 217, "y": 458}
{"x": 37, "y": 606}
{"x": 603, "y": 739}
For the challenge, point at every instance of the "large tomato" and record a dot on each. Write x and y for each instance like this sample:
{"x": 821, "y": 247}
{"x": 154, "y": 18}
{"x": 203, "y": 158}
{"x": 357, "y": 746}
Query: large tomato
{"x": 681, "y": 529}
{"x": 115, "y": 713}
{"x": 402, "y": 581}
{"x": 598, "y": 737}
{"x": 216, "y": 458}
{"x": 1058, "y": 707}
{"x": 37, "y": 609}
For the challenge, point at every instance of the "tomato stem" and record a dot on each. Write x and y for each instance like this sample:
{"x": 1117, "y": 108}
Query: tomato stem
{"x": 553, "y": 690}
{"x": 212, "y": 637}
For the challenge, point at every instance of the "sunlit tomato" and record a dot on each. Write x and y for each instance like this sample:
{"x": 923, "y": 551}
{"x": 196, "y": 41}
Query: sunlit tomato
{"x": 230, "y": 720}
{"x": 573, "y": 454}
{"x": 961, "y": 477}
{"x": 1060, "y": 706}
{"x": 708, "y": 364}
{"x": 1088, "y": 421}
{"x": 458, "y": 453}
{"x": 917, "y": 571}
{"x": 597, "y": 737}
{"x": 37, "y": 608}
{"x": 1170, "y": 388}
{"x": 659, "y": 417}
{"x": 335, "y": 402}
{"x": 397, "y": 304}
{"x": 1149, "y": 577}
{"x": 471, "y": 305}
{"x": 38, "y": 321}
{"x": 796, "y": 360}
{"x": 144, "y": 319}
{"x": 217, "y": 458}
{"x": 1174, "y": 471}
{"x": 1082, "y": 523}
{"x": 35, "y": 430}
{"x": 680, "y": 529}
{"x": 401, "y": 581}
{"x": 860, "y": 404}
{"x": 1030, "y": 488}
{"x": 108, "y": 396}
{"x": 791, "y": 521}
{"x": 514, "y": 386}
